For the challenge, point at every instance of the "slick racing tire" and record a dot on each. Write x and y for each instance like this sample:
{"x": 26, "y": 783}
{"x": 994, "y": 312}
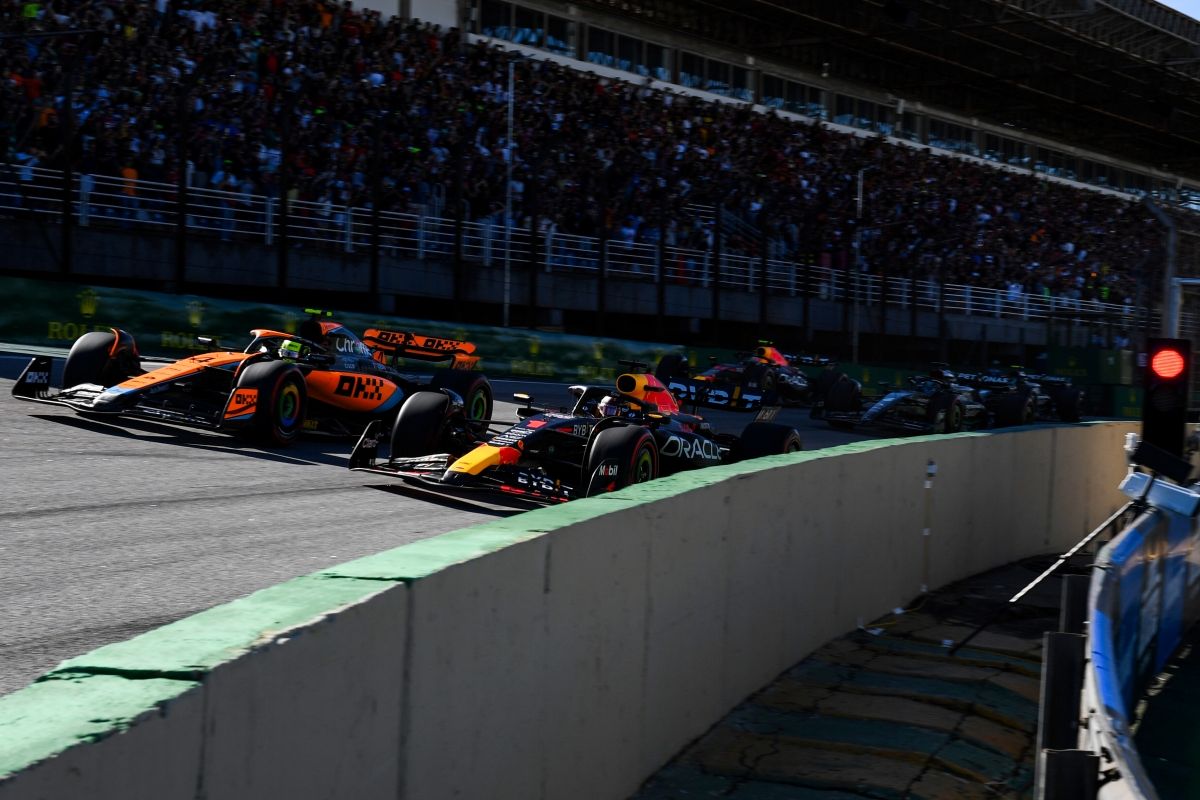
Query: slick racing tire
{"x": 768, "y": 439}
{"x": 672, "y": 365}
{"x": 418, "y": 428}
{"x": 1015, "y": 409}
{"x": 475, "y": 391}
{"x": 844, "y": 395}
{"x": 282, "y": 399}
{"x": 103, "y": 357}
{"x": 761, "y": 377}
{"x": 952, "y": 420}
{"x": 629, "y": 450}
{"x": 1068, "y": 404}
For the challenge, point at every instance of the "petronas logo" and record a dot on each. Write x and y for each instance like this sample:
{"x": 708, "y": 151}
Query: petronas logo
{"x": 88, "y": 301}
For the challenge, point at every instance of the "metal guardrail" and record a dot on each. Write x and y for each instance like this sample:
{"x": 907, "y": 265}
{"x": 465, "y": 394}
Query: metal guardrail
{"x": 1143, "y": 594}
{"x": 98, "y": 201}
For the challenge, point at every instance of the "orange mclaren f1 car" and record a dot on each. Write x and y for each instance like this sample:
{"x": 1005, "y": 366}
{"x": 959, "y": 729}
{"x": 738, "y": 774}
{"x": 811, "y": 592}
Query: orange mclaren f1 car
{"x": 278, "y": 386}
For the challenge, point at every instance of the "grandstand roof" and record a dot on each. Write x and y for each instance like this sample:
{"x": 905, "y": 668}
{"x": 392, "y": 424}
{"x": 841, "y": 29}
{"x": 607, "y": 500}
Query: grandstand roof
{"x": 1111, "y": 76}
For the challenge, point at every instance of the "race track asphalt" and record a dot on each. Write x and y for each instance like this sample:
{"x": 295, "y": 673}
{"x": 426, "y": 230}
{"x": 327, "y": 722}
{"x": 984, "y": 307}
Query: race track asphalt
{"x": 107, "y": 531}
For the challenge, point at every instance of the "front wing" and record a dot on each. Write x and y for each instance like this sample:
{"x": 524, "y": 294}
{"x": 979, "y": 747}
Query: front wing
{"x": 430, "y": 472}
{"x": 33, "y": 385}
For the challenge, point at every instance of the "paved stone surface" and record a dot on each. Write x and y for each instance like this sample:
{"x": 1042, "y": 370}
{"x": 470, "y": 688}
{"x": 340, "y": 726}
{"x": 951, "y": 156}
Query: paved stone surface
{"x": 938, "y": 703}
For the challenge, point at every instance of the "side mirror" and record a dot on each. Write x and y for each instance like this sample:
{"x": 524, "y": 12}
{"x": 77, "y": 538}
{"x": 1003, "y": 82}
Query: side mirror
{"x": 526, "y": 410}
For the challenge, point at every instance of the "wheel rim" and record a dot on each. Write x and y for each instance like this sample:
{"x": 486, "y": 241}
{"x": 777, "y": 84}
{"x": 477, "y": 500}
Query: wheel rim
{"x": 643, "y": 466}
{"x": 477, "y": 409}
{"x": 793, "y": 447}
{"x": 287, "y": 406}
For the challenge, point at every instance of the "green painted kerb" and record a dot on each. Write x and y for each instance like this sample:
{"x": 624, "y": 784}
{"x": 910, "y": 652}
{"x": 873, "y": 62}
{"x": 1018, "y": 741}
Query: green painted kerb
{"x": 48, "y": 718}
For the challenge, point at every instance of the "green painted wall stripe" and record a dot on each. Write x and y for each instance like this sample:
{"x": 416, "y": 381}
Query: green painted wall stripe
{"x": 195, "y": 645}
{"x": 50, "y": 717}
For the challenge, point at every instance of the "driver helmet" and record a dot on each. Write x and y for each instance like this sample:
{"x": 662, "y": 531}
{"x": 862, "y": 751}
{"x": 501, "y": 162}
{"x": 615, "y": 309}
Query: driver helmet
{"x": 290, "y": 350}
{"x": 608, "y": 406}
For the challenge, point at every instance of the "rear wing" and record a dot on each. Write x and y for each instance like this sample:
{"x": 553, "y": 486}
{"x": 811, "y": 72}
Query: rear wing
{"x": 387, "y": 346}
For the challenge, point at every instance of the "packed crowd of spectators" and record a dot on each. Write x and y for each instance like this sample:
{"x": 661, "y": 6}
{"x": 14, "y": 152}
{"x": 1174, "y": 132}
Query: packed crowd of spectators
{"x": 252, "y": 96}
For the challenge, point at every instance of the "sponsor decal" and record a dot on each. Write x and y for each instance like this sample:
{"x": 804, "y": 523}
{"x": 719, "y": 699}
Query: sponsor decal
{"x": 677, "y": 446}
{"x": 195, "y": 313}
{"x": 712, "y": 396}
{"x": 406, "y": 339}
{"x": 70, "y": 331}
{"x": 88, "y": 301}
{"x": 541, "y": 369}
{"x": 241, "y": 403}
{"x": 38, "y": 377}
{"x": 609, "y": 469}
{"x": 582, "y": 429}
{"x": 510, "y": 437}
{"x": 363, "y": 386}
{"x": 180, "y": 340}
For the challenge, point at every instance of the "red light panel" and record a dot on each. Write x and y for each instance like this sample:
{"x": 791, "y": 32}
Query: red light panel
{"x": 1167, "y": 363}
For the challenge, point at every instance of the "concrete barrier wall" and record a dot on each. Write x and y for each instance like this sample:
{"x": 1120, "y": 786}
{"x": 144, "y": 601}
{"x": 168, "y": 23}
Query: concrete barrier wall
{"x": 563, "y": 653}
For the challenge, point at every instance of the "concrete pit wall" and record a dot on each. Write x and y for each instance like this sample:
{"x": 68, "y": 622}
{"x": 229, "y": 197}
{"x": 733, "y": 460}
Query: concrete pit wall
{"x": 563, "y": 653}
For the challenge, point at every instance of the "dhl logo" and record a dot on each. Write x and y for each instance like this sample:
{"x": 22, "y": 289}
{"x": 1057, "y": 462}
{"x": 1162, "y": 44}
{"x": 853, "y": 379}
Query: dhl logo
{"x": 360, "y": 386}
{"x": 241, "y": 403}
{"x": 406, "y": 339}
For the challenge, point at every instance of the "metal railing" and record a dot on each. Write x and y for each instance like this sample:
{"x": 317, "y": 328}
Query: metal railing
{"x": 98, "y": 201}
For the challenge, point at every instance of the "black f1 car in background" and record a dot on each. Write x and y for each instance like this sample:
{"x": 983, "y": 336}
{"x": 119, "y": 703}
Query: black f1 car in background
{"x": 933, "y": 403}
{"x": 1016, "y": 398}
{"x": 278, "y": 386}
{"x": 610, "y": 438}
{"x": 762, "y": 376}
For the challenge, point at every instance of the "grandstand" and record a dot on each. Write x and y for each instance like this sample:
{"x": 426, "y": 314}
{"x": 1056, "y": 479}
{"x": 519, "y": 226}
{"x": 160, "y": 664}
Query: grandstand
{"x": 986, "y": 158}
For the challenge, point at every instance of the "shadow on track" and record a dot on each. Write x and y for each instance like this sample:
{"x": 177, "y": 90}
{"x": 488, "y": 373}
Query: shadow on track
{"x": 302, "y": 453}
{"x": 502, "y": 507}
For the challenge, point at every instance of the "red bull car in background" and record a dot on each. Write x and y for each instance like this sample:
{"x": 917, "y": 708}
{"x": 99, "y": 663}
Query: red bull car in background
{"x": 612, "y": 436}
{"x": 763, "y": 375}
{"x": 327, "y": 381}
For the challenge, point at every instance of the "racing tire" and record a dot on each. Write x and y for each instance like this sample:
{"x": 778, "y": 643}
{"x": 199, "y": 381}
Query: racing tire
{"x": 475, "y": 391}
{"x": 762, "y": 377}
{"x": 951, "y": 420}
{"x": 633, "y": 449}
{"x": 103, "y": 357}
{"x": 1015, "y": 409}
{"x": 843, "y": 394}
{"x": 1068, "y": 404}
{"x": 768, "y": 439}
{"x": 417, "y": 429}
{"x": 282, "y": 399}
{"x": 672, "y": 365}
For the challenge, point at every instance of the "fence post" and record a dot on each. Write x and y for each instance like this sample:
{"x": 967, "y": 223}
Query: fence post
{"x": 348, "y": 230}
{"x": 421, "y": 235}
{"x": 85, "y": 195}
{"x": 269, "y": 234}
